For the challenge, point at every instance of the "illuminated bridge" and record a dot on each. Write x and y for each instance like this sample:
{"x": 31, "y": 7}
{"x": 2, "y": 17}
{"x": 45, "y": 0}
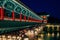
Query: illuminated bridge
{"x": 14, "y": 15}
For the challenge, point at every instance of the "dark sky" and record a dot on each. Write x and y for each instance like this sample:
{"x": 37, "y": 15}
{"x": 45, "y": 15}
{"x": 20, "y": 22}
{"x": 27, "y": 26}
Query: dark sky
{"x": 50, "y": 6}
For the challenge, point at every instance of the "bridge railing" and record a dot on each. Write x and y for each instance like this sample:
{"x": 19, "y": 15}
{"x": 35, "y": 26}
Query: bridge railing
{"x": 13, "y": 18}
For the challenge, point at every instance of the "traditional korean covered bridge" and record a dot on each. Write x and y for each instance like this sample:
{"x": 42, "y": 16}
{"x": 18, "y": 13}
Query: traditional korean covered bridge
{"x": 15, "y": 15}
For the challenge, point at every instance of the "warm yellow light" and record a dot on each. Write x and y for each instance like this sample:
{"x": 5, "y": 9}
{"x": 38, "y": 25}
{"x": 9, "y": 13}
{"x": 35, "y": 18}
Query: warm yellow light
{"x": 36, "y": 33}
{"x": 29, "y": 32}
{"x": 52, "y": 25}
{"x": 42, "y": 35}
{"x": 3, "y": 36}
{"x": 37, "y": 29}
{"x": 18, "y": 37}
{"x": 40, "y": 39}
{"x": 9, "y": 36}
{"x": 57, "y": 28}
{"x": 22, "y": 35}
{"x": 26, "y": 33}
{"x": 41, "y": 28}
{"x": 14, "y": 37}
{"x": 48, "y": 26}
{"x": 32, "y": 32}
{"x": 52, "y": 34}
{"x": 0, "y": 37}
{"x": 26, "y": 38}
{"x": 48, "y": 34}
{"x": 57, "y": 34}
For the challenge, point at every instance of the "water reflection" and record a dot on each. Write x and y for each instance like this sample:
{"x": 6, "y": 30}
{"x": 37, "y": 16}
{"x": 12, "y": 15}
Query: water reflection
{"x": 49, "y": 36}
{"x": 47, "y": 33}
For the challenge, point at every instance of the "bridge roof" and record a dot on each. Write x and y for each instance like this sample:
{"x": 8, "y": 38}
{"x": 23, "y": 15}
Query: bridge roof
{"x": 16, "y": 5}
{"x": 28, "y": 9}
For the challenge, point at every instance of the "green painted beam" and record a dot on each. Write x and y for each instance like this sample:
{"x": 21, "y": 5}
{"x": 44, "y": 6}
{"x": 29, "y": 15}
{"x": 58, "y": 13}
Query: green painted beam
{"x": 10, "y": 29}
{"x": 7, "y": 24}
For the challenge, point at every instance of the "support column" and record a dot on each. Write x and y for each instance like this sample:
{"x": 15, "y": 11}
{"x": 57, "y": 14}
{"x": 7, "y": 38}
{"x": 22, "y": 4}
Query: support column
{"x": 13, "y": 15}
{"x": 20, "y": 17}
{"x": 24, "y": 18}
{"x": 31, "y": 19}
{"x": 1, "y": 14}
{"x": 28, "y": 19}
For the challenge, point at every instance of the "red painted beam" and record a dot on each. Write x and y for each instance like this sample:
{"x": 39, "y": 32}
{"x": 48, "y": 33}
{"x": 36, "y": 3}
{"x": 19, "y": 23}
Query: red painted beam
{"x": 35, "y": 20}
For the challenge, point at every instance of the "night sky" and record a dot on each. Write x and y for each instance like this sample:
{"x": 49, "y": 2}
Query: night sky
{"x": 50, "y": 6}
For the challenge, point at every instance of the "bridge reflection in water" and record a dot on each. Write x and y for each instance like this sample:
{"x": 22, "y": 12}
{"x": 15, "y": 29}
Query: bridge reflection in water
{"x": 36, "y": 33}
